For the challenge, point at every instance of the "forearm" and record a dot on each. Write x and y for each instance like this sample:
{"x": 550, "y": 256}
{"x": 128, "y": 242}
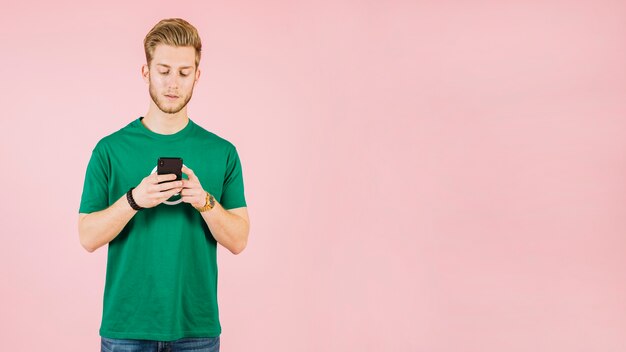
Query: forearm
{"x": 101, "y": 227}
{"x": 230, "y": 230}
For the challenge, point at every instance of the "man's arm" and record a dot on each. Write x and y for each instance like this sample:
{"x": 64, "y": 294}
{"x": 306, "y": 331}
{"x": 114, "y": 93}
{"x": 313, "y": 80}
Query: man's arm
{"x": 101, "y": 227}
{"x": 229, "y": 227}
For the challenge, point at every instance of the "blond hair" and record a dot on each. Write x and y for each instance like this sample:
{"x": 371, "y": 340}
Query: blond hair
{"x": 174, "y": 32}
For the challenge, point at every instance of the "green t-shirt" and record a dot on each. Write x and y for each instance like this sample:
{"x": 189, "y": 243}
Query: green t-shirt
{"x": 161, "y": 276}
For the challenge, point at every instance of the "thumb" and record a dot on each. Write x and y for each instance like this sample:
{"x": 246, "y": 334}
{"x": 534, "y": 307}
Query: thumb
{"x": 189, "y": 173}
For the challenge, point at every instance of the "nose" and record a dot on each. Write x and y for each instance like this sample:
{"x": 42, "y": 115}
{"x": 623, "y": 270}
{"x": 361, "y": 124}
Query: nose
{"x": 172, "y": 82}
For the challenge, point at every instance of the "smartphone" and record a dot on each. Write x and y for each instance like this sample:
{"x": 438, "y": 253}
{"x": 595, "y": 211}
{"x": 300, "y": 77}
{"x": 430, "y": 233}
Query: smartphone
{"x": 170, "y": 165}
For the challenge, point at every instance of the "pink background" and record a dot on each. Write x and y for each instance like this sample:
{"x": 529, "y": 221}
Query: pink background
{"x": 433, "y": 176}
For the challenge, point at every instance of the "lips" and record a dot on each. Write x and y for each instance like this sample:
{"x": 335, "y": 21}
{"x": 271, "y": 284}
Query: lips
{"x": 172, "y": 96}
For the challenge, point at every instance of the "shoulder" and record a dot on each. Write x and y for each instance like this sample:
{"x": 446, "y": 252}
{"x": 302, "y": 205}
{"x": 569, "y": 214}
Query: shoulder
{"x": 104, "y": 144}
{"x": 215, "y": 139}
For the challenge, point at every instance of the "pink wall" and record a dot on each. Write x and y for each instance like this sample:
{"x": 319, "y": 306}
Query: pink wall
{"x": 440, "y": 177}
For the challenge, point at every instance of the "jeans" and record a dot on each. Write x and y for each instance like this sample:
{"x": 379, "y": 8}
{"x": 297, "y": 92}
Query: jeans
{"x": 196, "y": 344}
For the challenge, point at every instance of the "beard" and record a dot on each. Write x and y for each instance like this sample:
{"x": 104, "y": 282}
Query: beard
{"x": 166, "y": 106}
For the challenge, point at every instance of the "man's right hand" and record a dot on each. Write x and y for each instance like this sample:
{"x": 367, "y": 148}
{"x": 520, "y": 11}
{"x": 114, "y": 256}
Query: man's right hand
{"x": 149, "y": 193}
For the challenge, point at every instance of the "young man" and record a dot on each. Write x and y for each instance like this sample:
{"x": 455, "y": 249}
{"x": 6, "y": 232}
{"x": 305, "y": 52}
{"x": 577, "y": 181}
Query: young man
{"x": 161, "y": 278}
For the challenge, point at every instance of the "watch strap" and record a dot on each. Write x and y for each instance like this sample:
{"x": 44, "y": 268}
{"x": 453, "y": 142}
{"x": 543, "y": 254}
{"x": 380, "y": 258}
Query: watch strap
{"x": 131, "y": 200}
{"x": 209, "y": 203}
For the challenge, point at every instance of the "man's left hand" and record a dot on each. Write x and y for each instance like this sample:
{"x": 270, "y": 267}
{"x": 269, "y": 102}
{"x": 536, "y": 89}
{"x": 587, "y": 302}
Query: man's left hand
{"x": 192, "y": 192}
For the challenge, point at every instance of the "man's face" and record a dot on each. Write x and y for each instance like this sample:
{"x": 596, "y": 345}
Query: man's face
{"x": 171, "y": 77}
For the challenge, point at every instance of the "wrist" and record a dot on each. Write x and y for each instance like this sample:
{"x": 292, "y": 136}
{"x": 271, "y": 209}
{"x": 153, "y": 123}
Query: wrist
{"x": 209, "y": 203}
{"x": 131, "y": 200}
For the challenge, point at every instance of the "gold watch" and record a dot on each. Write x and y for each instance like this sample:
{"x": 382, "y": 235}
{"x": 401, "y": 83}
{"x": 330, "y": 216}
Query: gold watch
{"x": 210, "y": 203}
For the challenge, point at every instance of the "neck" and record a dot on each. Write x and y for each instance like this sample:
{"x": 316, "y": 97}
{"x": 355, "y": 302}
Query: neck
{"x": 164, "y": 123}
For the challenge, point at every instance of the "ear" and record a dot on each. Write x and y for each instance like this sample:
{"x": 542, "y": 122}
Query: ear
{"x": 145, "y": 73}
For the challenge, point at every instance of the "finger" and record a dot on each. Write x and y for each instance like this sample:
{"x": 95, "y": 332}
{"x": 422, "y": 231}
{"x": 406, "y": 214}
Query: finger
{"x": 156, "y": 178}
{"x": 189, "y": 183}
{"x": 189, "y": 172}
{"x": 188, "y": 199}
{"x": 189, "y": 192}
{"x": 158, "y": 191}
{"x": 164, "y": 177}
{"x": 168, "y": 194}
{"x": 192, "y": 191}
{"x": 170, "y": 185}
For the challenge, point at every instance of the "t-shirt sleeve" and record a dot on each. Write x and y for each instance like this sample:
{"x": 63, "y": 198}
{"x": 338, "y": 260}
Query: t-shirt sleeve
{"x": 232, "y": 191}
{"x": 95, "y": 195}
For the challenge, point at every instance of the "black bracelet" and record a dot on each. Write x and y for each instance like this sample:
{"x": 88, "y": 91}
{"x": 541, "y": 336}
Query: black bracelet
{"x": 131, "y": 201}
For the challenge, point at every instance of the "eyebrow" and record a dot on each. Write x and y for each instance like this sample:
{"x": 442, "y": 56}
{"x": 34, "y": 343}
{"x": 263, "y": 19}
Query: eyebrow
{"x": 169, "y": 66}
